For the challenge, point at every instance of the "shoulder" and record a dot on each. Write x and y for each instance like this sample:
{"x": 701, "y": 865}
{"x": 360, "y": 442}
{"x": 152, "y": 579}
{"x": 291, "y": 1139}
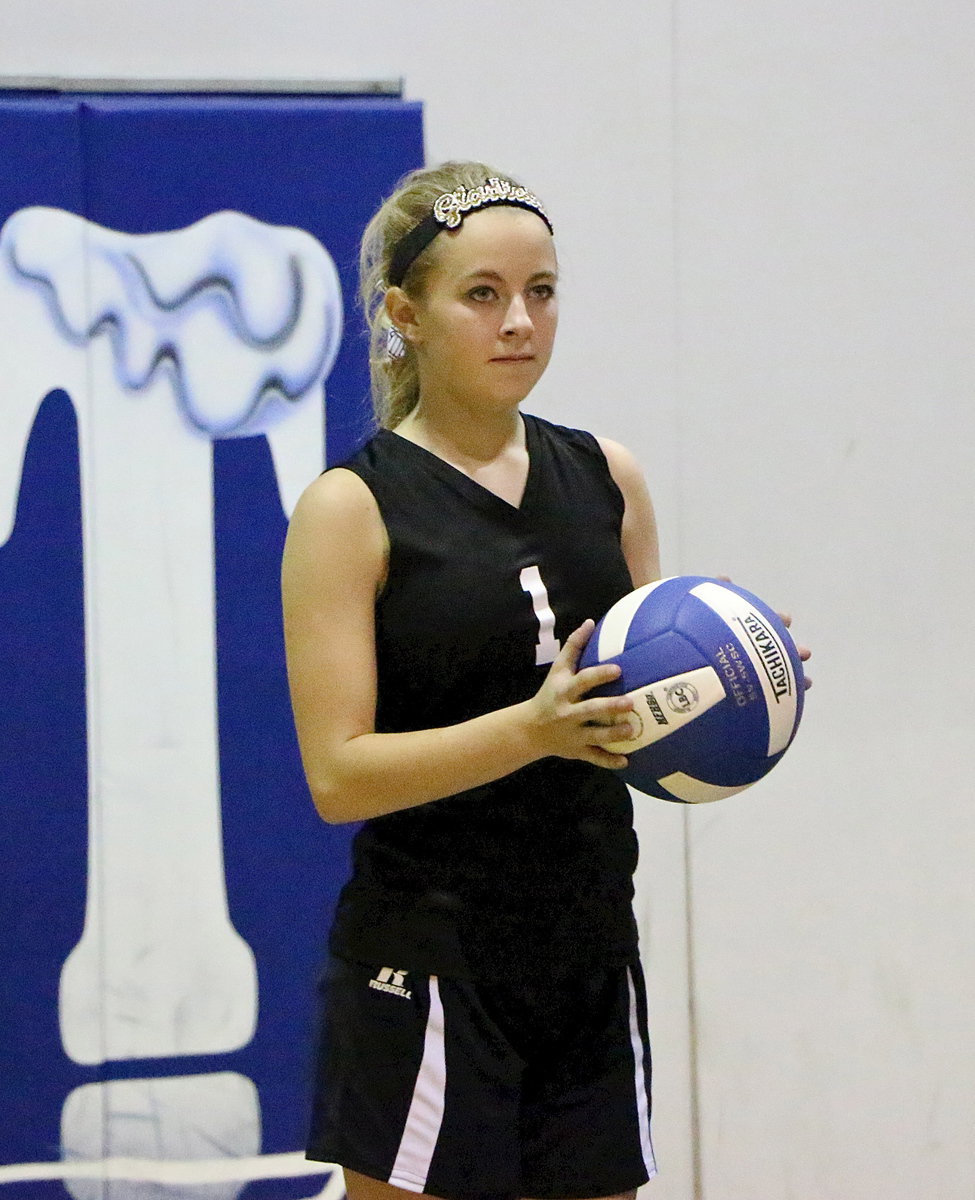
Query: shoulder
{"x": 562, "y": 435}
{"x": 567, "y": 445}
{"x": 615, "y": 455}
{"x": 339, "y": 494}
{"x": 604, "y": 464}
{"x": 626, "y": 472}
{"x": 336, "y": 528}
{"x": 346, "y": 491}
{"x": 622, "y": 463}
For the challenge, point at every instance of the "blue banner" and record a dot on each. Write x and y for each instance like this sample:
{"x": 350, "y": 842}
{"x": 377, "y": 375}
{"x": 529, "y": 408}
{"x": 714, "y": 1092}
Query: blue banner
{"x": 181, "y": 352}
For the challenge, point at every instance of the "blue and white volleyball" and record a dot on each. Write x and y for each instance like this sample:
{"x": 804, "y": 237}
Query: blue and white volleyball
{"x": 717, "y": 685}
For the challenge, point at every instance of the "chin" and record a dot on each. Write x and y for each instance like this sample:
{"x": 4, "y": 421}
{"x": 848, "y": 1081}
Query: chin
{"x": 514, "y": 397}
{"x": 518, "y": 390}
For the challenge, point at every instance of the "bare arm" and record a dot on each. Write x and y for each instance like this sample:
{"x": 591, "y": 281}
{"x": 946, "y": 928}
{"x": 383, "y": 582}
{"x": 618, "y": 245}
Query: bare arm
{"x": 639, "y": 535}
{"x": 334, "y": 564}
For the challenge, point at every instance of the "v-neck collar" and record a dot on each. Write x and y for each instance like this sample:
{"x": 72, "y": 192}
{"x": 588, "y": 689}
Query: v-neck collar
{"x": 451, "y": 474}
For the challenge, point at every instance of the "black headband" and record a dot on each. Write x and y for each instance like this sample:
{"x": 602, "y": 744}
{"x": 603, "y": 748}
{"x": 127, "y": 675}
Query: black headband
{"x": 448, "y": 212}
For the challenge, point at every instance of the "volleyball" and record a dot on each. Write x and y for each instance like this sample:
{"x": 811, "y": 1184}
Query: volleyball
{"x": 717, "y": 685}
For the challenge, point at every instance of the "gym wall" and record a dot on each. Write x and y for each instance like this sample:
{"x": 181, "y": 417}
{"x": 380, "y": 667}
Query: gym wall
{"x": 765, "y": 230}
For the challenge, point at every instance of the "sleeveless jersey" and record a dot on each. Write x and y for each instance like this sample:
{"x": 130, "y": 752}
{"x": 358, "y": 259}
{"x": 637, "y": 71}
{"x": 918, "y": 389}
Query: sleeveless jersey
{"x": 533, "y": 872}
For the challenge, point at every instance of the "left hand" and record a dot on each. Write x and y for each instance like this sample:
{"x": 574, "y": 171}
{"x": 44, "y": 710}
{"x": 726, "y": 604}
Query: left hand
{"x": 804, "y": 652}
{"x": 786, "y": 618}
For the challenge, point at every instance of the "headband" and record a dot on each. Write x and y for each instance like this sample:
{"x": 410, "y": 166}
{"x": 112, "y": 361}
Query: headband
{"x": 448, "y": 212}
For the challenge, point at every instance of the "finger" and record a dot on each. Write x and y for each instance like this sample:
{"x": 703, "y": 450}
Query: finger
{"x": 804, "y": 653}
{"x": 605, "y": 758}
{"x": 611, "y": 720}
{"x": 786, "y": 619}
{"x": 607, "y": 712}
{"x": 575, "y": 643}
{"x": 593, "y": 677}
{"x": 612, "y": 739}
{"x": 602, "y": 710}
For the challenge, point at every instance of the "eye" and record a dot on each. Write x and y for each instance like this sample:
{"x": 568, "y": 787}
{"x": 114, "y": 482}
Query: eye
{"x": 543, "y": 291}
{"x": 481, "y": 293}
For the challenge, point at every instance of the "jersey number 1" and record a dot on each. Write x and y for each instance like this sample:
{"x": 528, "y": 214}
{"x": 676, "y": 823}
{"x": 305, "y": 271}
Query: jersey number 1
{"x": 548, "y": 645}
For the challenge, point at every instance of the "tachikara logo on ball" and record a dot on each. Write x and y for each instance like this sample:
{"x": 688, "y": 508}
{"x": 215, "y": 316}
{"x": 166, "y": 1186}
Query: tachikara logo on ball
{"x": 767, "y": 651}
{"x": 772, "y": 654}
{"x": 716, "y": 685}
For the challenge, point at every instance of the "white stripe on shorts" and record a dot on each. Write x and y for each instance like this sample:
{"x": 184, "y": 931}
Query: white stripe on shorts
{"x": 642, "y": 1104}
{"x": 425, "y": 1117}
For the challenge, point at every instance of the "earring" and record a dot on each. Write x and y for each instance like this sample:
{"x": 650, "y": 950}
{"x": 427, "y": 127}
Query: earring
{"x": 395, "y": 344}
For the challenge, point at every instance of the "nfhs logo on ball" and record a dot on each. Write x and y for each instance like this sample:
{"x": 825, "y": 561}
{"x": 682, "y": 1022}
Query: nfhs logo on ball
{"x": 716, "y": 682}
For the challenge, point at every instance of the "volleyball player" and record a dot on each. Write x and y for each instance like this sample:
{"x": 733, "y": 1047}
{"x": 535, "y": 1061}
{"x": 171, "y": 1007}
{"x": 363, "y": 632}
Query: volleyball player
{"x": 484, "y": 1017}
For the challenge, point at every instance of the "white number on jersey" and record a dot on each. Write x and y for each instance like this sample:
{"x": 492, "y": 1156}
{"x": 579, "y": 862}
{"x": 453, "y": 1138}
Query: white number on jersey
{"x": 548, "y": 645}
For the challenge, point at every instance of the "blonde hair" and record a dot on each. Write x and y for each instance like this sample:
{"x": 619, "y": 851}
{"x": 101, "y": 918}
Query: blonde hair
{"x": 394, "y": 376}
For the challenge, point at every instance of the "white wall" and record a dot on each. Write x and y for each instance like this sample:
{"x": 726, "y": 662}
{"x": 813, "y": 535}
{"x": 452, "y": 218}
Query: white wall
{"x": 825, "y": 264}
{"x": 764, "y": 214}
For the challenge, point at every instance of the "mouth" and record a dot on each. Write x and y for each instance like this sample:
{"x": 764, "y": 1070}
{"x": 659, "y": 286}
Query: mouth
{"x": 514, "y": 358}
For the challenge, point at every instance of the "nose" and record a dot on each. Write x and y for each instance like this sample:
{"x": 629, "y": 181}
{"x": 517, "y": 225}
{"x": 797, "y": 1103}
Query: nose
{"x": 517, "y": 321}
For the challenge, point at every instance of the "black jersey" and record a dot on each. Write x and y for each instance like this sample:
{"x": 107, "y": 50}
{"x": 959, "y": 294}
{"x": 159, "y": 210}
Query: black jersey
{"x": 534, "y": 871}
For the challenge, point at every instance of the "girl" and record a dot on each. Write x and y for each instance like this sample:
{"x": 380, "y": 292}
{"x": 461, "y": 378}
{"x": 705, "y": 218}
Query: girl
{"x": 485, "y": 1034}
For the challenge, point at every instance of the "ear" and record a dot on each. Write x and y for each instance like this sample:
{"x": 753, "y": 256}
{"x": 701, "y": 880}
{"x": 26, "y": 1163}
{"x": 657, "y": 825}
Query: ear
{"x": 403, "y": 315}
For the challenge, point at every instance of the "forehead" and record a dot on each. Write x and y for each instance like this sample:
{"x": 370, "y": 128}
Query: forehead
{"x": 502, "y": 239}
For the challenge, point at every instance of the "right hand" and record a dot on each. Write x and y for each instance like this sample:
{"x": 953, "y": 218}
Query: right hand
{"x": 567, "y": 724}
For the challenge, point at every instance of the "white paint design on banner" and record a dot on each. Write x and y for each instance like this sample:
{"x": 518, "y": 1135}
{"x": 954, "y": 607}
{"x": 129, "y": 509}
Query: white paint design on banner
{"x": 191, "y": 1173}
{"x": 202, "y": 1111}
{"x": 164, "y": 342}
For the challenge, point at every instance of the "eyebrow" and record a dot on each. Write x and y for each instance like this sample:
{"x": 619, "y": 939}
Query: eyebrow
{"x": 487, "y": 274}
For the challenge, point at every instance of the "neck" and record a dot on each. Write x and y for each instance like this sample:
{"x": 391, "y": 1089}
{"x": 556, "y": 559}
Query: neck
{"x": 454, "y": 431}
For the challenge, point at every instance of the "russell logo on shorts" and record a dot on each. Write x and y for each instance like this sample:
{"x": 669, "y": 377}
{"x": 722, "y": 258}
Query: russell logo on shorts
{"x": 389, "y": 980}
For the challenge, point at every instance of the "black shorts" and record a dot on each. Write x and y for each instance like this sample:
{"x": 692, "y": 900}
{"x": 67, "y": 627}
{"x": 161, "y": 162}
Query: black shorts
{"x": 482, "y": 1091}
